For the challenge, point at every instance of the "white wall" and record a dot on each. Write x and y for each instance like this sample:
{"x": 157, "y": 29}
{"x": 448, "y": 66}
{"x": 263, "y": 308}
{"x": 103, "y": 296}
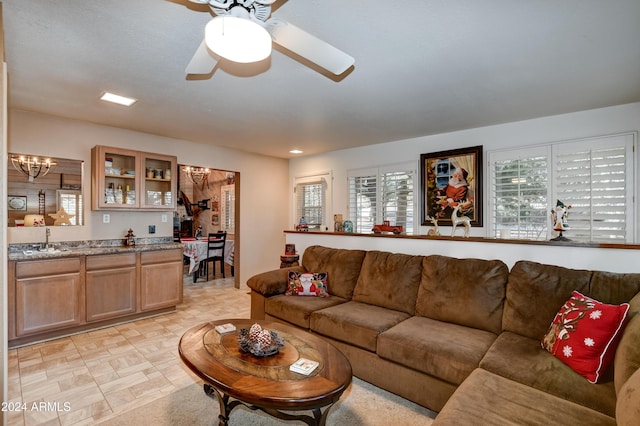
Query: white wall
{"x": 263, "y": 183}
{"x": 598, "y": 122}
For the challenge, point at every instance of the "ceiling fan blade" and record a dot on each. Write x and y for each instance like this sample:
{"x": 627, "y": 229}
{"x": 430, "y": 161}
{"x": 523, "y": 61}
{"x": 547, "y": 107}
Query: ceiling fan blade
{"x": 308, "y": 46}
{"x": 202, "y": 62}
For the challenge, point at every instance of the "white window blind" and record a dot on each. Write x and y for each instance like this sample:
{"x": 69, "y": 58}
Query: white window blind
{"x": 380, "y": 194}
{"x": 595, "y": 180}
{"x": 228, "y": 208}
{"x": 311, "y": 200}
{"x": 593, "y": 176}
{"x": 520, "y": 201}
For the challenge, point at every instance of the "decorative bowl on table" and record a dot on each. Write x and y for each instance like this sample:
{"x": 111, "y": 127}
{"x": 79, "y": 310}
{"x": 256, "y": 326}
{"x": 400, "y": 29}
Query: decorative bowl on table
{"x": 260, "y": 342}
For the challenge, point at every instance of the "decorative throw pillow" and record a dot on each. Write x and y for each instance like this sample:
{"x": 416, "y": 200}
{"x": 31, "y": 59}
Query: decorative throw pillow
{"x": 307, "y": 284}
{"x": 584, "y": 334}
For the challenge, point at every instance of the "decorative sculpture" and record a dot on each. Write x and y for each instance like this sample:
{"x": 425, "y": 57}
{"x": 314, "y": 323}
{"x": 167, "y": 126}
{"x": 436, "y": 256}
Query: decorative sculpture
{"x": 433, "y": 232}
{"x": 559, "y": 217}
{"x": 460, "y": 220}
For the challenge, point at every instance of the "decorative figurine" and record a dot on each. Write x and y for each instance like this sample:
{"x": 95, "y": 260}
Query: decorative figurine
{"x": 559, "y": 218}
{"x": 433, "y": 232}
{"x": 387, "y": 227}
{"x": 130, "y": 239}
{"x": 198, "y": 232}
{"x": 347, "y": 226}
{"x": 302, "y": 225}
{"x": 461, "y": 220}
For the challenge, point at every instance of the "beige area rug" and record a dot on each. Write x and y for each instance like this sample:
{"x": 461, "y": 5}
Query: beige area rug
{"x": 362, "y": 404}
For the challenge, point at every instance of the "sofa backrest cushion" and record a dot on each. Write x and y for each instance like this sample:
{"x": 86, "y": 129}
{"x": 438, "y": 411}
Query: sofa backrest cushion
{"x": 343, "y": 267}
{"x": 628, "y": 403}
{"x": 535, "y": 293}
{"x": 389, "y": 280}
{"x": 614, "y": 288}
{"x": 468, "y": 292}
{"x": 627, "y": 357}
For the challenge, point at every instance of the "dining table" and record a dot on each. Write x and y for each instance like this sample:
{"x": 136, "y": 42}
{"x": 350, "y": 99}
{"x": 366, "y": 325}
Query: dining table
{"x": 197, "y": 251}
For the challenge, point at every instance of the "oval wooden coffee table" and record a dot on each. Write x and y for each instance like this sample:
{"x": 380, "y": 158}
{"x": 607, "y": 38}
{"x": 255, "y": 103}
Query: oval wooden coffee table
{"x": 266, "y": 383}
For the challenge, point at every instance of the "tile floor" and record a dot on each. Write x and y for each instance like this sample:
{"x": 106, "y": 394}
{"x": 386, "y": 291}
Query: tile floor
{"x": 81, "y": 379}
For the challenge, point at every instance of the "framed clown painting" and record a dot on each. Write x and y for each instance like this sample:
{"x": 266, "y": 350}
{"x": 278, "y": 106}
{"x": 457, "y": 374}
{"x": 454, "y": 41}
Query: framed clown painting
{"x": 451, "y": 183}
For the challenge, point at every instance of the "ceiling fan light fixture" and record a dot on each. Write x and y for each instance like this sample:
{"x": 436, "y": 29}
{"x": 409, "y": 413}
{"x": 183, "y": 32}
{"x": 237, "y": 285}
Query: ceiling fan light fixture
{"x": 237, "y": 39}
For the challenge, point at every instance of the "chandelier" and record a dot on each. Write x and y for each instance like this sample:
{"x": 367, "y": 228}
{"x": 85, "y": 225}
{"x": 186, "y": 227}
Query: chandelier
{"x": 32, "y": 166}
{"x": 197, "y": 175}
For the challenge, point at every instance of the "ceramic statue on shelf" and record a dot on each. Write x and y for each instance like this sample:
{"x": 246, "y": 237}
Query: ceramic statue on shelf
{"x": 347, "y": 226}
{"x": 559, "y": 217}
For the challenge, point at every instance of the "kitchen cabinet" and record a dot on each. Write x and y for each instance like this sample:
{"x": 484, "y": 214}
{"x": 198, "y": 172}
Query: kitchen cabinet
{"x": 123, "y": 179}
{"x": 58, "y": 296}
{"x": 160, "y": 279}
{"x": 49, "y": 295}
{"x": 110, "y": 285}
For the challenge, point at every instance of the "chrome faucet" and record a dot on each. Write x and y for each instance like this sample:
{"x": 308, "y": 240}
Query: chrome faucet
{"x": 46, "y": 239}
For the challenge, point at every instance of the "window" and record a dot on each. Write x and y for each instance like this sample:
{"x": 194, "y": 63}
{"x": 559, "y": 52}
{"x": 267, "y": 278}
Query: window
{"x": 379, "y": 194}
{"x": 593, "y": 176}
{"x": 310, "y": 194}
{"x": 71, "y": 202}
{"x": 228, "y": 208}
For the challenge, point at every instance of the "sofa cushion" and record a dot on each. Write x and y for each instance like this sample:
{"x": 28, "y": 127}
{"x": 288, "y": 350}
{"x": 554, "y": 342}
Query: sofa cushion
{"x": 447, "y": 351}
{"x": 467, "y": 292}
{"x": 343, "y": 266}
{"x": 523, "y": 360}
{"x": 297, "y": 310}
{"x": 628, "y": 406}
{"x": 585, "y": 333}
{"x": 356, "y": 323}
{"x": 317, "y": 284}
{"x": 535, "y": 292}
{"x": 488, "y": 399}
{"x": 627, "y": 357}
{"x": 389, "y": 280}
{"x": 614, "y": 288}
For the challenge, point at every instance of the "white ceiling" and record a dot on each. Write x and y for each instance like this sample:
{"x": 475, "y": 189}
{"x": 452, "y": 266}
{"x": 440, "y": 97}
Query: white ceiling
{"x": 422, "y": 67}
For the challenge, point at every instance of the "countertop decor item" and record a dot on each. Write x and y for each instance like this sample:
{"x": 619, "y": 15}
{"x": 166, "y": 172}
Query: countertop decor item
{"x": 260, "y": 342}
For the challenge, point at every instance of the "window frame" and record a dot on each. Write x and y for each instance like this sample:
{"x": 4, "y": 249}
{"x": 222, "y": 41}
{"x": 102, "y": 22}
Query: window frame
{"x": 323, "y": 178}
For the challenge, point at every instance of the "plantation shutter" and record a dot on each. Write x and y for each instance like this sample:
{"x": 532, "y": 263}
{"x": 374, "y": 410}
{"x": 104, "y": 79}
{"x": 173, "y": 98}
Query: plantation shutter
{"x": 520, "y": 200}
{"x": 379, "y": 194}
{"x": 228, "y": 197}
{"x": 397, "y": 198}
{"x": 310, "y": 204}
{"x": 596, "y": 178}
{"x": 363, "y": 200}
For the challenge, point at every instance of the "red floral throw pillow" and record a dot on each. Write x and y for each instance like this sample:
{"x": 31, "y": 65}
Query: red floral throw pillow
{"x": 584, "y": 334}
{"x": 307, "y": 284}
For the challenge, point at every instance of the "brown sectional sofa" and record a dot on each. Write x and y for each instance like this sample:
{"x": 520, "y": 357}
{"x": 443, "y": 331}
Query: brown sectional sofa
{"x": 462, "y": 336}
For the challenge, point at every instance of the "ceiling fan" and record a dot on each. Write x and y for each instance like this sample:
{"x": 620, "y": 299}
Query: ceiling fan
{"x": 281, "y": 32}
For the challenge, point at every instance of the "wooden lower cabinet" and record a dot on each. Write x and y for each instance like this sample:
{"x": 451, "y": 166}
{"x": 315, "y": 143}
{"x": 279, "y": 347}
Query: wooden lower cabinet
{"x": 48, "y": 295}
{"x": 54, "y": 297}
{"x": 160, "y": 279}
{"x": 111, "y": 286}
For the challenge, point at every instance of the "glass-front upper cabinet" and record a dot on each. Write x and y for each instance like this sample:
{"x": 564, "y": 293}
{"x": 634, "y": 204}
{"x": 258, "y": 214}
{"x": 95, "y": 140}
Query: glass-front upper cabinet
{"x": 158, "y": 189}
{"x": 127, "y": 179}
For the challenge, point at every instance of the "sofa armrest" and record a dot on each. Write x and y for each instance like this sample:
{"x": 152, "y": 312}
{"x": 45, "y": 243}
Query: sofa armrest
{"x": 272, "y": 282}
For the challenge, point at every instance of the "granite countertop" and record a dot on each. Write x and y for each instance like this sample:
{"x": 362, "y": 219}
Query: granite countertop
{"x": 61, "y": 250}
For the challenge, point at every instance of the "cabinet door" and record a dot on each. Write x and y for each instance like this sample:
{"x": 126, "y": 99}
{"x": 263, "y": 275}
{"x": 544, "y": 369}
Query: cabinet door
{"x": 114, "y": 178}
{"x": 159, "y": 183}
{"x": 110, "y": 293}
{"x": 48, "y": 303}
{"x": 161, "y": 285}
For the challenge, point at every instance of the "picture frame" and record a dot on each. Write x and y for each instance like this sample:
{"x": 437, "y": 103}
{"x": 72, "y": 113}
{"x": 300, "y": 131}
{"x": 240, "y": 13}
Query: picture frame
{"x": 448, "y": 179}
{"x": 17, "y": 203}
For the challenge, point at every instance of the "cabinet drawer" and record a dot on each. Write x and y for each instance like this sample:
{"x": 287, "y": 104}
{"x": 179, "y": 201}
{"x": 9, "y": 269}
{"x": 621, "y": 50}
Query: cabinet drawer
{"x": 110, "y": 261}
{"x": 39, "y": 268}
{"x": 161, "y": 256}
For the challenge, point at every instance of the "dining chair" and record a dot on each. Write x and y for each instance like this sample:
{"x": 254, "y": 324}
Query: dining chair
{"x": 215, "y": 252}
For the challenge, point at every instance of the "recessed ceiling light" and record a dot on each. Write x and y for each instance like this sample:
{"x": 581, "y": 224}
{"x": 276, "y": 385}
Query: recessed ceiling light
{"x": 295, "y": 151}
{"x": 117, "y": 99}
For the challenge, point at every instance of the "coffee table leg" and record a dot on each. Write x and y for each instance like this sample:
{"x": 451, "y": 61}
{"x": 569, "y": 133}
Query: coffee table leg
{"x": 225, "y": 410}
{"x": 319, "y": 417}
